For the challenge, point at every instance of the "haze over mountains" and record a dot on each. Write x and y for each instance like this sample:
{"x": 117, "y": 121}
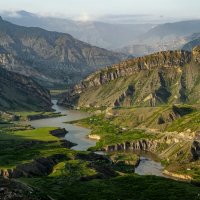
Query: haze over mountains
{"x": 105, "y": 35}
{"x": 133, "y": 38}
{"x": 168, "y": 36}
{"x": 51, "y": 58}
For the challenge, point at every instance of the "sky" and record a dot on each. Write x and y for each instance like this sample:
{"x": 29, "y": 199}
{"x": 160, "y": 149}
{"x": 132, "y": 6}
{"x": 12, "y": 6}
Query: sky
{"x": 109, "y": 9}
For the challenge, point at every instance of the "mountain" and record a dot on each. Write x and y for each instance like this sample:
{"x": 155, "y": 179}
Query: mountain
{"x": 142, "y": 49}
{"x": 163, "y": 37}
{"x": 134, "y": 39}
{"x": 162, "y": 78}
{"x": 17, "y": 92}
{"x": 193, "y": 40}
{"x": 170, "y": 31}
{"x": 51, "y": 58}
{"x": 105, "y": 35}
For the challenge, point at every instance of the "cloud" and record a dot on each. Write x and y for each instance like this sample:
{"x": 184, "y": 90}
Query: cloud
{"x": 10, "y": 13}
{"x": 83, "y": 17}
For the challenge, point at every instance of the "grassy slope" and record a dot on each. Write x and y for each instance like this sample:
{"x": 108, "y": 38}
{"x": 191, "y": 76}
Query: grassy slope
{"x": 22, "y": 146}
{"x": 111, "y": 133}
{"x": 68, "y": 186}
{"x": 119, "y": 128}
{"x": 64, "y": 182}
{"x": 191, "y": 121}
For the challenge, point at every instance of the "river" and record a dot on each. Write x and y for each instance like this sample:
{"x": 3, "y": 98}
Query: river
{"x": 78, "y": 135}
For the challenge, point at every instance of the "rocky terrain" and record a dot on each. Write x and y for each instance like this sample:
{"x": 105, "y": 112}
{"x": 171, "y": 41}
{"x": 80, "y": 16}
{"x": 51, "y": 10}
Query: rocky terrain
{"x": 18, "y": 92}
{"x": 51, "y": 58}
{"x": 149, "y": 104}
{"x": 161, "y": 78}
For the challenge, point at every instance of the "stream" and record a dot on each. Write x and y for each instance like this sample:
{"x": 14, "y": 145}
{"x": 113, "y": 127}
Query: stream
{"x": 78, "y": 135}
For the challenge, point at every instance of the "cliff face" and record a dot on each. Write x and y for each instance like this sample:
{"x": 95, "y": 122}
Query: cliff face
{"x": 18, "y": 92}
{"x": 171, "y": 147}
{"x": 164, "y": 77}
{"x": 50, "y": 57}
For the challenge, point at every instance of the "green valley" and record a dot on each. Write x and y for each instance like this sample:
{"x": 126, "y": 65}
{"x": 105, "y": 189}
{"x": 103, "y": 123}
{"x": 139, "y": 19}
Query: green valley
{"x": 80, "y": 122}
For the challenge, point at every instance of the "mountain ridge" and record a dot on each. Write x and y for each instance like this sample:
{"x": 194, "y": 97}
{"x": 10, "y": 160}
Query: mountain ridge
{"x": 161, "y": 78}
{"x": 18, "y": 92}
{"x": 51, "y": 55}
{"x": 96, "y": 33}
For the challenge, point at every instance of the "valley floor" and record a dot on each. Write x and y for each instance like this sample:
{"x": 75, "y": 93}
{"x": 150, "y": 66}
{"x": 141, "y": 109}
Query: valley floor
{"x": 38, "y": 159}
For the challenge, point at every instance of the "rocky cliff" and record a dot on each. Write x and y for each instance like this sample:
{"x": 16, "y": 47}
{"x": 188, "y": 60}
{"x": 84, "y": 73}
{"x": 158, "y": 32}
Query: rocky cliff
{"x": 180, "y": 147}
{"x": 160, "y": 78}
{"x": 18, "y": 92}
{"x": 39, "y": 167}
{"x": 50, "y": 57}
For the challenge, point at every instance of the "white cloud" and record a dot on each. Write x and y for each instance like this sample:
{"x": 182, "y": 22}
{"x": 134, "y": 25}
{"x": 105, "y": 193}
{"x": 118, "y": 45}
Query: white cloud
{"x": 10, "y": 13}
{"x": 83, "y": 17}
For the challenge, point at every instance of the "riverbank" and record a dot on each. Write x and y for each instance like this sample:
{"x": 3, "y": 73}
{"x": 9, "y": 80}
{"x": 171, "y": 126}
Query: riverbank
{"x": 169, "y": 147}
{"x": 64, "y": 173}
{"x": 76, "y": 134}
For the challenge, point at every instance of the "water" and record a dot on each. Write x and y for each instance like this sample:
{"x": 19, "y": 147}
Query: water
{"x": 78, "y": 135}
{"x": 149, "y": 165}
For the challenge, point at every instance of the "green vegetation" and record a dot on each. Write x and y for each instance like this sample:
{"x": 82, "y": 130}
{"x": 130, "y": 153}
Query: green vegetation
{"x": 111, "y": 133}
{"x": 124, "y": 162}
{"x": 36, "y": 115}
{"x": 57, "y": 93}
{"x": 19, "y": 147}
{"x": 124, "y": 157}
{"x": 125, "y": 187}
{"x": 80, "y": 176}
{"x": 64, "y": 175}
{"x": 190, "y": 121}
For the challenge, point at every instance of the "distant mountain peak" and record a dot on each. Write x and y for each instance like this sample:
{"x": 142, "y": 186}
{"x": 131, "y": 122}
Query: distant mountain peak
{"x": 24, "y": 13}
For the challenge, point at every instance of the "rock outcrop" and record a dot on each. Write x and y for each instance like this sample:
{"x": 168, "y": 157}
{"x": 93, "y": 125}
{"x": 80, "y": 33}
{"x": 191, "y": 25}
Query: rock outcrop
{"x": 177, "y": 176}
{"x": 173, "y": 147}
{"x": 60, "y": 132}
{"x": 195, "y": 150}
{"x": 141, "y": 145}
{"x": 39, "y": 167}
{"x": 160, "y": 78}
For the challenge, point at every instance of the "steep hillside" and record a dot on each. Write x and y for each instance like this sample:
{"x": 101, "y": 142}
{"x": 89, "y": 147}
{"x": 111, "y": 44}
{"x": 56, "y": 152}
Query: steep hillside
{"x": 18, "y": 92}
{"x": 193, "y": 40}
{"x": 50, "y": 57}
{"x": 161, "y": 78}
